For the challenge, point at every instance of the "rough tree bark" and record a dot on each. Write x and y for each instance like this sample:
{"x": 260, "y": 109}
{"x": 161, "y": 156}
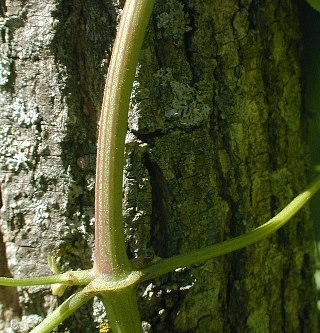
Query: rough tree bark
{"x": 215, "y": 147}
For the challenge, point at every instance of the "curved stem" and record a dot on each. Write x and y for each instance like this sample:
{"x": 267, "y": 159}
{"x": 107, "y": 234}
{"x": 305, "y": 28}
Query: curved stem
{"x": 167, "y": 265}
{"x": 110, "y": 254}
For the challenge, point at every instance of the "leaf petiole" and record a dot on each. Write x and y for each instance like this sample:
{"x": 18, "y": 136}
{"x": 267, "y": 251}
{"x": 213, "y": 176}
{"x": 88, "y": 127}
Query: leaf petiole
{"x": 68, "y": 278}
{"x": 170, "y": 264}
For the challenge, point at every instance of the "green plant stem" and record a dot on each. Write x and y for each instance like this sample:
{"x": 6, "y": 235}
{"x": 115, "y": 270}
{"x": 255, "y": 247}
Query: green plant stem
{"x": 67, "y": 308}
{"x": 167, "y": 265}
{"x": 315, "y": 4}
{"x": 110, "y": 253}
{"x": 122, "y": 311}
{"x": 68, "y": 278}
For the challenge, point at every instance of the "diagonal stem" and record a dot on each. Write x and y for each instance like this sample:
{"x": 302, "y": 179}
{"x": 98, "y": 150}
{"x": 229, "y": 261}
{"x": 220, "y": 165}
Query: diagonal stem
{"x": 167, "y": 265}
{"x": 110, "y": 253}
{"x": 315, "y": 4}
{"x": 66, "y": 309}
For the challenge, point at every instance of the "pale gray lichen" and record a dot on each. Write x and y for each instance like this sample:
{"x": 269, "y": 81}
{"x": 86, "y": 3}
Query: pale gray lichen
{"x": 25, "y": 114}
{"x": 149, "y": 291}
{"x": 5, "y": 70}
{"x": 186, "y": 105}
{"x": 80, "y": 223}
{"x": 11, "y": 251}
{"x": 6, "y": 142}
{"x": 26, "y": 323}
{"x": 5, "y": 60}
{"x": 99, "y": 312}
{"x": 175, "y": 22}
{"x": 18, "y": 161}
{"x": 146, "y": 327}
{"x": 41, "y": 211}
{"x": 90, "y": 180}
{"x": 11, "y": 159}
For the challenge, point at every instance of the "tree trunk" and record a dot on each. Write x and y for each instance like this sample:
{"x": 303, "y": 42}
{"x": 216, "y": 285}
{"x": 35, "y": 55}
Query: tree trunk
{"x": 215, "y": 147}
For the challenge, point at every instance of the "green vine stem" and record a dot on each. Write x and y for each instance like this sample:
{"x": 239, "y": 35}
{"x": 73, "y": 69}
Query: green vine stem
{"x": 315, "y": 4}
{"x": 122, "y": 310}
{"x": 110, "y": 252}
{"x": 195, "y": 257}
{"x": 67, "y": 308}
{"x": 69, "y": 278}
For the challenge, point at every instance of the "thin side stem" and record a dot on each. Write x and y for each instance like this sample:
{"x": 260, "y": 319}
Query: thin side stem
{"x": 66, "y": 309}
{"x": 315, "y": 4}
{"x": 110, "y": 254}
{"x": 167, "y": 265}
{"x": 68, "y": 278}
